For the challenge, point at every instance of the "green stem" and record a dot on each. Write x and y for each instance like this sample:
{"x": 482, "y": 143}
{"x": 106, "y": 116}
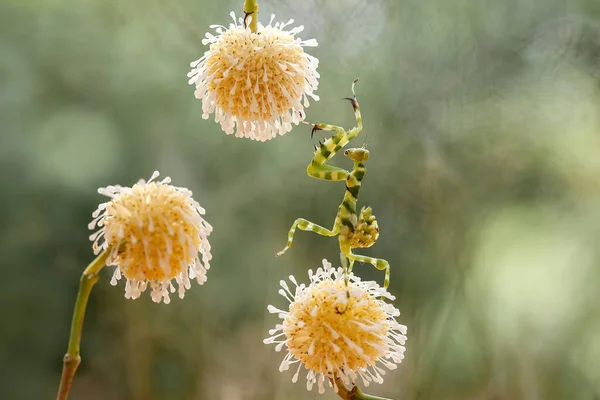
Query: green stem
{"x": 251, "y": 9}
{"x": 354, "y": 393}
{"x": 72, "y": 359}
{"x": 360, "y": 395}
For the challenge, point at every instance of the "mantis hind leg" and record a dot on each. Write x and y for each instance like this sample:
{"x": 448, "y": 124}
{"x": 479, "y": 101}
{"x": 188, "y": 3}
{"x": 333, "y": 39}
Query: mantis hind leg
{"x": 378, "y": 263}
{"x": 306, "y": 225}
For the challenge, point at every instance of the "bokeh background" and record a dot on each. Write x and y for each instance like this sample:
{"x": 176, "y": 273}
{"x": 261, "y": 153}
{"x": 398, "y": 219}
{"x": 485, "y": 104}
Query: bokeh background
{"x": 483, "y": 122}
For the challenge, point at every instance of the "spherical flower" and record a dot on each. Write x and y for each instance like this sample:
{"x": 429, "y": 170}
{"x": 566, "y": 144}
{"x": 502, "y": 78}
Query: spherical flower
{"x": 155, "y": 231}
{"x": 256, "y": 83}
{"x": 340, "y": 330}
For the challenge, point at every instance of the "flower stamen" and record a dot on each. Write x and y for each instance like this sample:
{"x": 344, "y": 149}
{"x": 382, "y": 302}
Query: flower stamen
{"x": 156, "y": 231}
{"x": 257, "y": 84}
{"x": 330, "y": 343}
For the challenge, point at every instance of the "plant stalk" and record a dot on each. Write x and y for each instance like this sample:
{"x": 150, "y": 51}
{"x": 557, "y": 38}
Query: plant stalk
{"x": 354, "y": 393}
{"x": 251, "y": 10}
{"x": 72, "y": 358}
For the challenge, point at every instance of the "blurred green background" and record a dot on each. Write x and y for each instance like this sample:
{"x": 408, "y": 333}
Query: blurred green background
{"x": 483, "y": 122}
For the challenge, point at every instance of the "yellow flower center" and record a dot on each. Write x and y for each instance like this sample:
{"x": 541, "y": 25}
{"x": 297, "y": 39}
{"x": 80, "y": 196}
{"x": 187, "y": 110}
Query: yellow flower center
{"x": 254, "y": 75}
{"x": 328, "y": 334}
{"x": 155, "y": 222}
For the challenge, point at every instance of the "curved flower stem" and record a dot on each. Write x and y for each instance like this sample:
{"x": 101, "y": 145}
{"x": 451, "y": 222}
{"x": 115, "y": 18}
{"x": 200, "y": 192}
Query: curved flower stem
{"x": 354, "y": 393}
{"x": 251, "y": 9}
{"x": 72, "y": 359}
{"x": 360, "y": 395}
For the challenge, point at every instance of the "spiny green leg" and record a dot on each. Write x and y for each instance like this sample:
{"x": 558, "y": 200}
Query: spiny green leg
{"x": 326, "y": 172}
{"x": 356, "y": 108}
{"x": 317, "y": 168}
{"x": 306, "y": 225}
{"x": 378, "y": 263}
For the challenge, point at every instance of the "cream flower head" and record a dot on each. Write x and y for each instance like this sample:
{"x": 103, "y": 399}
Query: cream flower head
{"x": 155, "y": 231}
{"x": 256, "y": 83}
{"x": 334, "y": 330}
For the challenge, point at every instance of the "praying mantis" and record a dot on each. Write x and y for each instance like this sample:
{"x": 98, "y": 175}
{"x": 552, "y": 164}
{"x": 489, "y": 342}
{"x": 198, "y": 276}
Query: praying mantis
{"x": 352, "y": 231}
